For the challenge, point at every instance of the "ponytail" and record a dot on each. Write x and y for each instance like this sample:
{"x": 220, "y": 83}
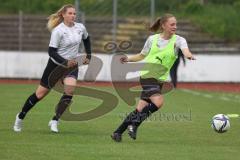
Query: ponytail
{"x": 53, "y": 21}
{"x": 157, "y": 25}
{"x": 56, "y": 18}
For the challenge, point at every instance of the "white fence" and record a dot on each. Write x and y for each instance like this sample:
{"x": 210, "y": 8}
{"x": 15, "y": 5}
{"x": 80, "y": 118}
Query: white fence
{"x": 207, "y": 68}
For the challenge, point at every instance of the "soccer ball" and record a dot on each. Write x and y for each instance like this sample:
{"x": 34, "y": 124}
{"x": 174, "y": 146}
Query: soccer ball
{"x": 220, "y": 123}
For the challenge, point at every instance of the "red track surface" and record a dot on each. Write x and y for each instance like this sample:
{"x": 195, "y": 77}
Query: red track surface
{"x": 218, "y": 87}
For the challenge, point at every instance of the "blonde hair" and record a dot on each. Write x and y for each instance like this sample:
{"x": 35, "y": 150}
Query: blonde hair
{"x": 56, "y": 18}
{"x": 157, "y": 25}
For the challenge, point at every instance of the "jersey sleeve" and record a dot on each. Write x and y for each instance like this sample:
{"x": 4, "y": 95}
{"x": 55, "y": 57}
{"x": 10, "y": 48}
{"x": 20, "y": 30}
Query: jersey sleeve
{"x": 55, "y": 39}
{"x": 147, "y": 46}
{"x": 85, "y": 33}
{"x": 181, "y": 42}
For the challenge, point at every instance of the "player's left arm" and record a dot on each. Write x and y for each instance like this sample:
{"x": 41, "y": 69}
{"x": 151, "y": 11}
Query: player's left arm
{"x": 187, "y": 53}
{"x": 87, "y": 45}
{"x": 182, "y": 44}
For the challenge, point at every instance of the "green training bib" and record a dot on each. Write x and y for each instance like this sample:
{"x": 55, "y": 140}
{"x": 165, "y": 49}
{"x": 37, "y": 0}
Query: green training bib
{"x": 159, "y": 61}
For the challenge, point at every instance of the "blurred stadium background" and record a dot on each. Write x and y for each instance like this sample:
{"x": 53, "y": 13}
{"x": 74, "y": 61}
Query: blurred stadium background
{"x": 211, "y": 29}
{"x": 211, "y": 37}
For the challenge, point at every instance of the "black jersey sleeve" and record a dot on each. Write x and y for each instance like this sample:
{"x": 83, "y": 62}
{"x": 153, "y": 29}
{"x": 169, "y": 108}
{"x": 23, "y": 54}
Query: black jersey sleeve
{"x": 87, "y": 46}
{"x": 52, "y": 52}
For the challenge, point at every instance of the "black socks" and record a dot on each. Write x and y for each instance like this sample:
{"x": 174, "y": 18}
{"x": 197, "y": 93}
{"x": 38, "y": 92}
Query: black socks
{"x": 30, "y": 102}
{"x": 126, "y": 122}
{"x": 62, "y": 105}
{"x": 136, "y": 118}
{"x": 144, "y": 114}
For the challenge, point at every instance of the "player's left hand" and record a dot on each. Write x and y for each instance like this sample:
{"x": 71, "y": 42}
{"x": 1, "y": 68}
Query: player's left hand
{"x": 191, "y": 58}
{"x": 86, "y": 61}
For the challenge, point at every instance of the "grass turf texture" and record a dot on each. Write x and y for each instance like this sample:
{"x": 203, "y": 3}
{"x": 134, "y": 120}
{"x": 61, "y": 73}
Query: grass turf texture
{"x": 166, "y": 135}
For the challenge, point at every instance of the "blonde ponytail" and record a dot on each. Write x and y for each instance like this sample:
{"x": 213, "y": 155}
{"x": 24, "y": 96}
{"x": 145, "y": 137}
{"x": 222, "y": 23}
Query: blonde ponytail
{"x": 56, "y": 18}
{"x": 157, "y": 25}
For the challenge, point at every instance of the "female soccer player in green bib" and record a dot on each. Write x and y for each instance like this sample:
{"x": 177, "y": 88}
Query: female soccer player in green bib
{"x": 159, "y": 53}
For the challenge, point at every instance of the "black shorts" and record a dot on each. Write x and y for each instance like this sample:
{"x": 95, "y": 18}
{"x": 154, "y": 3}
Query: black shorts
{"x": 150, "y": 87}
{"x": 53, "y": 73}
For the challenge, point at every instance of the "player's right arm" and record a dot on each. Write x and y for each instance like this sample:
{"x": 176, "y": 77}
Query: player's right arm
{"x": 134, "y": 58}
{"x": 140, "y": 56}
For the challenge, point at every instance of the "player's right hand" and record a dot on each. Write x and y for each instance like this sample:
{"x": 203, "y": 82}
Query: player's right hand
{"x": 124, "y": 59}
{"x": 71, "y": 63}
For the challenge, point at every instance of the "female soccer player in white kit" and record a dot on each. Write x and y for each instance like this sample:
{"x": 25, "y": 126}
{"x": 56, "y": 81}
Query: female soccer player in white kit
{"x": 66, "y": 36}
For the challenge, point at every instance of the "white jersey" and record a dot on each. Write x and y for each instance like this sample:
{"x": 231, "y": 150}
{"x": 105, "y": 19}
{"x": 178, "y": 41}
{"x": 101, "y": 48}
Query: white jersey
{"x": 67, "y": 39}
{"x": 161, "y": 43}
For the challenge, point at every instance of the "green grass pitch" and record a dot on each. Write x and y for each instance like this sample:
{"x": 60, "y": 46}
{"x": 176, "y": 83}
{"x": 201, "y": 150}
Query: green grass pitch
{"x": 179, "y": 131}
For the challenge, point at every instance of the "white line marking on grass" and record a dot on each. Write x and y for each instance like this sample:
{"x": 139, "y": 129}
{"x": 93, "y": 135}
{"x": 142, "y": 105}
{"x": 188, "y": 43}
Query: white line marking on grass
{"x": 208, "y": 96}
{"x": 237, "y": 97}
{"x": 224, "y": 98}
{"x": 190, "y": 91}
{"x": 233, "y": 115}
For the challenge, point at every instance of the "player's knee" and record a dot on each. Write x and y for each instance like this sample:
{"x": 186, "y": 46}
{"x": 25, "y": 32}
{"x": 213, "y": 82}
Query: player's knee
{"x": 41, "y": 94}
{"x": 69, "y": 89}
{"x": 69, "y": 92}
{"x": 158, "y": 101}
{"x": 159, "y": 104}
